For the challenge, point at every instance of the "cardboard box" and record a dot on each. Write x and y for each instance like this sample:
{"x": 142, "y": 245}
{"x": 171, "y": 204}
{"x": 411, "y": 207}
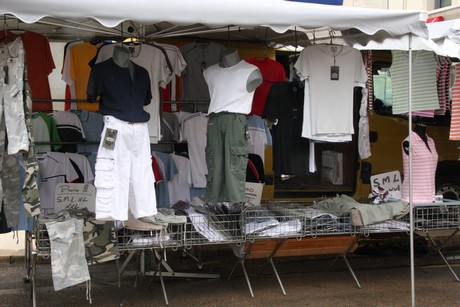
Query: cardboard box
{"x": 332, "y": 167}
{"x": 253, "y": 193}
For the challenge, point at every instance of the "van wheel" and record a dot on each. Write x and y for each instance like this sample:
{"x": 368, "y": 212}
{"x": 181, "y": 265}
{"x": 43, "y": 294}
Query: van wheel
{"x": 449, "y": 188}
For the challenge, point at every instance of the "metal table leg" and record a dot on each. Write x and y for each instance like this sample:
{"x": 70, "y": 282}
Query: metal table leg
{"x": 344, "y": 256}
{"x": 439, "y": 250}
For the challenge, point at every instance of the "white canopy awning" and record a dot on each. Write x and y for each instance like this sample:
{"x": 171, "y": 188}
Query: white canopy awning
{"x": 444, "y": 39}
{"x": 279, "y": 15}
{"x": 446, "y": 34}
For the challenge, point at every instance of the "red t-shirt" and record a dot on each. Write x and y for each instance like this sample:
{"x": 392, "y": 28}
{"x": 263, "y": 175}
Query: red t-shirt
{"x": 156, "y": 170}
{"x": 39, "y": 65}
{"x": 272, "y": 71}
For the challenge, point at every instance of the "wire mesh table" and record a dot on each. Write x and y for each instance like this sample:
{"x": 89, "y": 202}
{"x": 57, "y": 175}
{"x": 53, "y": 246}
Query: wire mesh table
{"x": 441, "y": 221}
{"x": 279, "y": 231}
{"x": 263, "y": 232}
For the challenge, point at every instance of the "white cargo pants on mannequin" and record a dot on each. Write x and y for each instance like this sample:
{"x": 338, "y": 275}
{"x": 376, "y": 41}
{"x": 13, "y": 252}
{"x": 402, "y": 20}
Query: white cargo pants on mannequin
{"x": 124, "y": 176}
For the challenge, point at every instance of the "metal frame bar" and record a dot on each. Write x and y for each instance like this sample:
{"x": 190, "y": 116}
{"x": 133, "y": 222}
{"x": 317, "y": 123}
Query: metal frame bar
{"x": 269, "y": 259}
{"x": 344, "y": 256}
{"x": 441, "y": 246}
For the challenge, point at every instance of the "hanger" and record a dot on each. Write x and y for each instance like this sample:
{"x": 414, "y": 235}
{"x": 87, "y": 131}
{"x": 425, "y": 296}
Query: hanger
{"x": 264, "y": 48}
{"x": 198, "y": 43}
{"x": 6, "y": 36}
{"x": 266, "y": 44}
{"x": 132, "y": 41}
{"x": 168, "y": 62}
{"x": 264, "y": 54}
{"x": 331, "y": 36}
{"x": 314, "y": 37}
{"x": 201, "y": 43}
{"x": 94, "y": 41}
{"x": 265, "y": 51}
{"x": 17, "y": 31}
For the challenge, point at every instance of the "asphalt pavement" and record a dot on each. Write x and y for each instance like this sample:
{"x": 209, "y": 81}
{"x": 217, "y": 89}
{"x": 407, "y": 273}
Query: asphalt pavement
{"x": 385, "y": 280}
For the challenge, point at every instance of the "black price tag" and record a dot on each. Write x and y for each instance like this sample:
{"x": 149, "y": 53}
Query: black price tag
{"x": 5, "y": 70}
{"x": 110, "y": 138}
{"x": 334, "y": 73}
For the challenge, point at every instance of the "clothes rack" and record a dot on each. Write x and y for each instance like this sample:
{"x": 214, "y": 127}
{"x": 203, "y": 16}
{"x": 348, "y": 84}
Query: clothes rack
{"x": 252, "y": 238}
{"x": 62, "y": 100}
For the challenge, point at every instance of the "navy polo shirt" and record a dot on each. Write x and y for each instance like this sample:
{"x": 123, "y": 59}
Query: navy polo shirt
{"x": 120, "y": 96}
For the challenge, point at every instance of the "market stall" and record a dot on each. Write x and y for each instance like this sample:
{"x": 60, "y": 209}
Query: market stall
{"x": 277, "y": 22}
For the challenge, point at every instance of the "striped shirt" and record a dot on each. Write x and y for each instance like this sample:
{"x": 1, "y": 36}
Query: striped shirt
{"x": 443, "y": 83}
{"x": 370, "y": 79}
{"x": 424, "y": 162}
{"x": 424, "y": 89}
{"x": 455, "y": 119}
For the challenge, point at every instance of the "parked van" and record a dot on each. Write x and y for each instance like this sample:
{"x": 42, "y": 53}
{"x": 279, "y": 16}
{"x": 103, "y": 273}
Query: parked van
{"x": 387, "y": 132}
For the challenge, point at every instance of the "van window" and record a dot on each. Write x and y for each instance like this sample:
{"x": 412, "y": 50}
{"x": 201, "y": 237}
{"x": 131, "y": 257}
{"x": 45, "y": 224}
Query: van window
{"x": 383, "y": 92}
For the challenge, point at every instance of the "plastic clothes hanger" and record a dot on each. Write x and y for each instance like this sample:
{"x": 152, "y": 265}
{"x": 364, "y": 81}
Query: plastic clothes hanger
{"x": 7, "y": 36}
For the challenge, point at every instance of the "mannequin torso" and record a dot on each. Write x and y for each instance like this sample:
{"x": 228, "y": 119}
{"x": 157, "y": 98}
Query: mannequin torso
{"x": 420, "y": 130}
{"x": 231, "y": 58}
{"x": 122, "y": 57}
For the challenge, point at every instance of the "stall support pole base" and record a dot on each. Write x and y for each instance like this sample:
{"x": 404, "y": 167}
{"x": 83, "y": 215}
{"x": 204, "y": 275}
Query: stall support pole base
{"x": 439, "y": 250}
{"x": 269, "y": 260}
{"x": 344, "y": 256}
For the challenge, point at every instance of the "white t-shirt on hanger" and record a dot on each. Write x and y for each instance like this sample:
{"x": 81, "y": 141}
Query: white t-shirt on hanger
{"x": 332, "y": 72}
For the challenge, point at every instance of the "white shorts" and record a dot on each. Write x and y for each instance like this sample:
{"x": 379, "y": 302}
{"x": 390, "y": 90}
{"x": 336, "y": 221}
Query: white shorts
{"x": 123, "y": 175}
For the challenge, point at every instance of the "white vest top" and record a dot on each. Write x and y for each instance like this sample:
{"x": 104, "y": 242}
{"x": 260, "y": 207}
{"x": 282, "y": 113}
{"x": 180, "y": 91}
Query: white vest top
{"x": 227, "y": 88}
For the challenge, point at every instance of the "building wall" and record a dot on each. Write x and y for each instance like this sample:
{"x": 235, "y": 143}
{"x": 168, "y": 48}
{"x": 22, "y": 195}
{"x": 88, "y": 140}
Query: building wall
{"x": 448, "y": 13}
{"x": 427, "y": 5}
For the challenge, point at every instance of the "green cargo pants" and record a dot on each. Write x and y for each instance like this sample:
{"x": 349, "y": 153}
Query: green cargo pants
{"x": 226, "y": 157}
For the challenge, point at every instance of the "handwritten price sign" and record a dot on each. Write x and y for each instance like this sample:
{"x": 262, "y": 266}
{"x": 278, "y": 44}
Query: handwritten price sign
{"x": 390, "y": 181}
{"x": 75, "y": 196}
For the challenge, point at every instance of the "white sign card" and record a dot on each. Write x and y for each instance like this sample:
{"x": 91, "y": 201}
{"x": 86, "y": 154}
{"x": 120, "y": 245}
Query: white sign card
{"x": 390, "y": 181}
{"x": 75, "y": 196}
{"x": 253, "y": 193}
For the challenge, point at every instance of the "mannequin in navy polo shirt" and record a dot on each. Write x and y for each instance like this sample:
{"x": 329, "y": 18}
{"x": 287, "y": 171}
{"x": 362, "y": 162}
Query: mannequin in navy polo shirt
{"x": 124, "y": 177}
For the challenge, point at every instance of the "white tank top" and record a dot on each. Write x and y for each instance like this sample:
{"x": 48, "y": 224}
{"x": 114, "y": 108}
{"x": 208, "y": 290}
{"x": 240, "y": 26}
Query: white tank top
{"x": 424, "y": 164}
{"x": 227, "y": 88}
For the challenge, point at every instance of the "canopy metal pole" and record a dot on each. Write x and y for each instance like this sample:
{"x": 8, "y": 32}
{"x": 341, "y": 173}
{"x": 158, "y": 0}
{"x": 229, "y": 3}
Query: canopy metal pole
{"x": 411, "y": 205}
{"x": 182, "y": 33}
{"x": 78, "y": 27}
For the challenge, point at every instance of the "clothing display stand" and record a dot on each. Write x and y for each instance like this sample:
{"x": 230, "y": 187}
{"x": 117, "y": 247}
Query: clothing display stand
{"x": 72, "y": 205}
{"x": 293, "y": 234}
{"x": 253, "y": 247}
{"x": 43, "y": 249}
{"x": 141, "y": 272}
{"x": 295, "y": 247}
{"x": 137, "y": 237}
{"x": 260, "y": 234}
{"x": 439, "y": 223}
{"x": 171, "y": 273}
